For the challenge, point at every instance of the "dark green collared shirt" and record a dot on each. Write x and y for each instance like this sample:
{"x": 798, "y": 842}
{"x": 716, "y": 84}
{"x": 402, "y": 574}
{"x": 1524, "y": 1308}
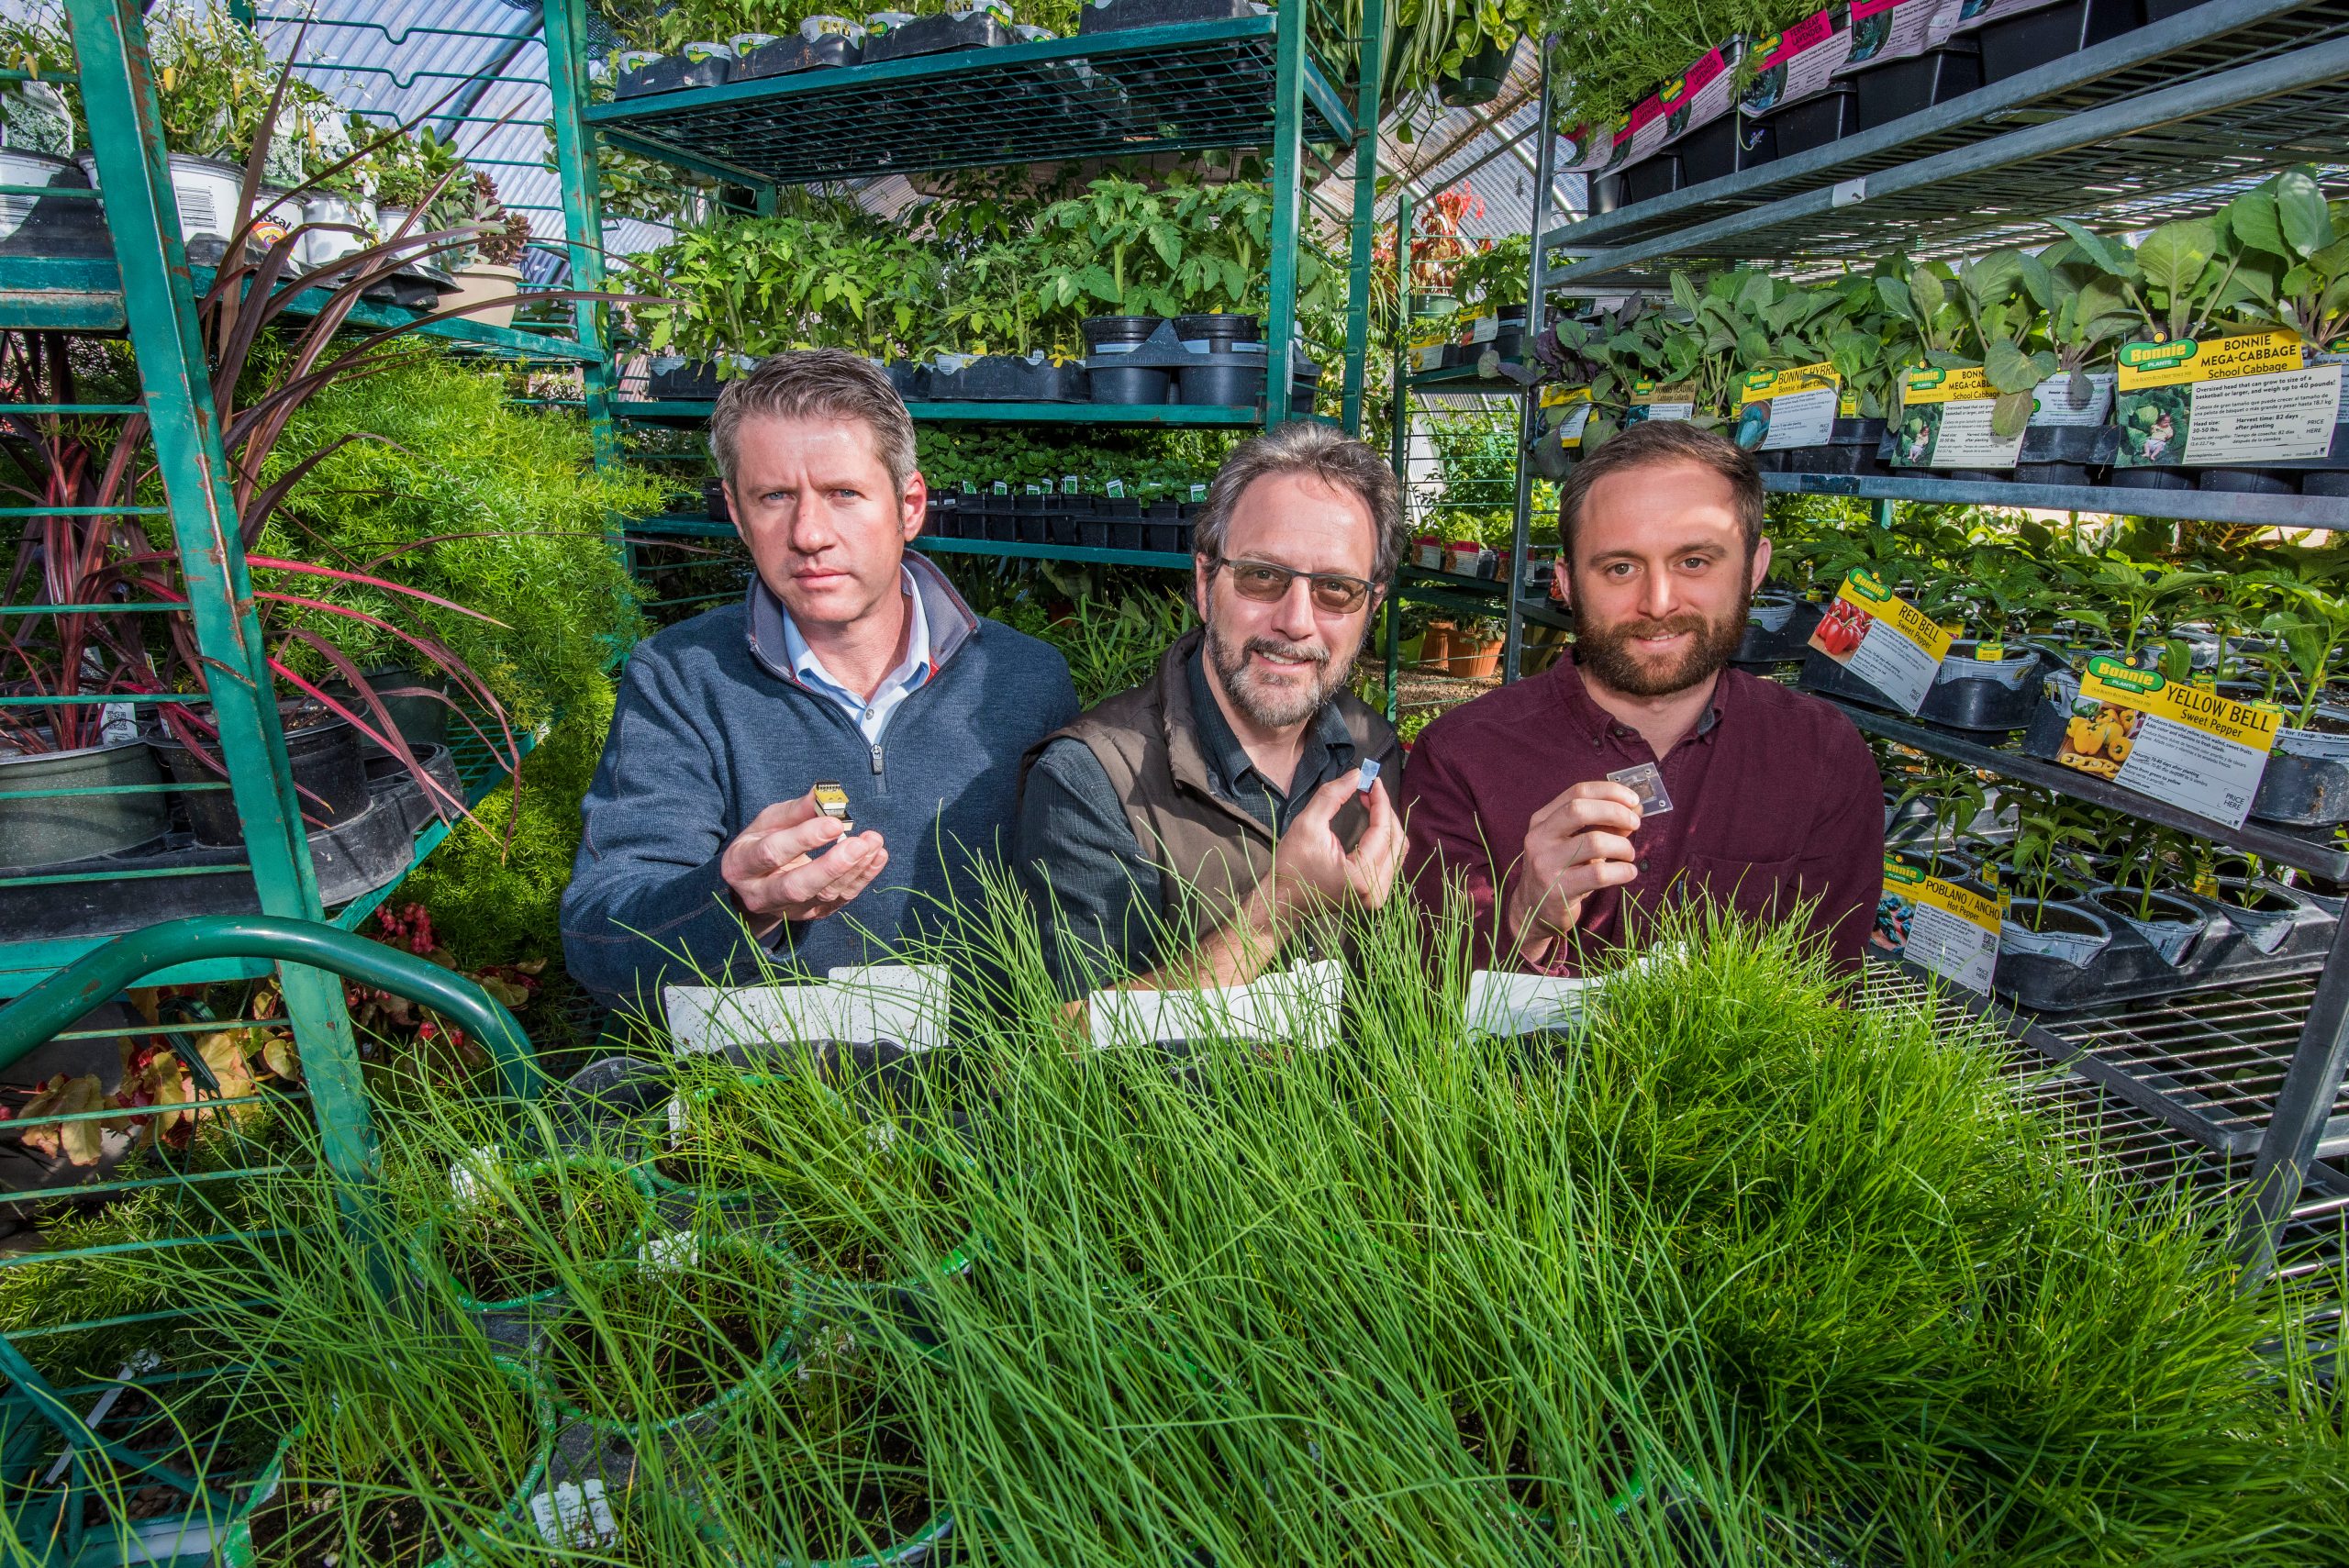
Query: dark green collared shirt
{"x": 1098, "y": 894}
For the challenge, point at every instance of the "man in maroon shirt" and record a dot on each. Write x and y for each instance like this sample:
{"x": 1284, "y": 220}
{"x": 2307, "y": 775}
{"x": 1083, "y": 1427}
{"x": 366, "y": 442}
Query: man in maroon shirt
{"x": 1774, "y": 799}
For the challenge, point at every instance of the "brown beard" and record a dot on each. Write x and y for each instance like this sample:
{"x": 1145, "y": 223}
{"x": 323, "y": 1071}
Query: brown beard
{"x": 1265, "y": 708}
{"x": 1605, "y": 652}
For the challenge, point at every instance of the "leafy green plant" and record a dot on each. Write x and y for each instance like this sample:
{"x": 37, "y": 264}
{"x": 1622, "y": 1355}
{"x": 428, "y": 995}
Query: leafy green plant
{"x": 2181, "y": 279}
{"x": 2299, "y": 279}
{"x": 1496, "y": 274}
{"x": 2083, "y": 320}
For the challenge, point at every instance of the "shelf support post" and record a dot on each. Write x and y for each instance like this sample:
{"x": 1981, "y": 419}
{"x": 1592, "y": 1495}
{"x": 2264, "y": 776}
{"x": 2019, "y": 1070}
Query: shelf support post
{"x": 1398, "y": 438}
{"x": 2303, "y": 1105}
{"x": 1288, "y": 157}
{"x": 127, "y": 136}
{"x": 1528, "y": 421}
{"x": 1373, "y": 63}
{"x": 582, "y": 212}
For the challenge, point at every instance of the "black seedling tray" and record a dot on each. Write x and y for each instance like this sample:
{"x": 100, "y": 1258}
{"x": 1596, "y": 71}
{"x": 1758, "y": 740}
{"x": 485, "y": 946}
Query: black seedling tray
{"x": 2128, "y": 968}
{"x": 936, "y": 35}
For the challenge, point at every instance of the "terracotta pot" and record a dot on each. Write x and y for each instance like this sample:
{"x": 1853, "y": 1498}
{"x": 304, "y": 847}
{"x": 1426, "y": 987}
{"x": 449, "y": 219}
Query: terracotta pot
{"x": 1435, "y": 648}
{"x": 1475, "y": 661}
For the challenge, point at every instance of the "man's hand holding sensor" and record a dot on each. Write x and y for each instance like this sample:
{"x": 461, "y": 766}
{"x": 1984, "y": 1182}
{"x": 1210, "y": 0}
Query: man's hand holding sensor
{"x": 799, "y": 861}
{"x": 1575, "y": 846}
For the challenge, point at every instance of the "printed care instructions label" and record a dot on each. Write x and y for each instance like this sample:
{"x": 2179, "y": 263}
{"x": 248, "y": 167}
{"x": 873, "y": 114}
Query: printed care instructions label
{"x": 1967, "y": 15}
{"x": 2247, "y": 400}
{"x": 1891, "y": 29}
{"x": 1777, "y": 409}
{"x": 1950, "y": 932}
{"x": 1568, "y": 410}
{"x": 1698, "y": 96}
{"x": 1650, "y": 401}
{"x": 2180, "y": 743}
{"x": 1791, "y": 66}
{"x": 1884, "y": 639}
{"x": 1945, "y": 422}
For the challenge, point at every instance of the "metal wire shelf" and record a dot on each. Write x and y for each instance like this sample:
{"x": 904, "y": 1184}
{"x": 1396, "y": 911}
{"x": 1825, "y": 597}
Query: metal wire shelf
{"x": 693, "y": 412}
{"x": 1191, "y": 86}
{"x": 2086, "y": 136}
{"x": 2209, "y": 506}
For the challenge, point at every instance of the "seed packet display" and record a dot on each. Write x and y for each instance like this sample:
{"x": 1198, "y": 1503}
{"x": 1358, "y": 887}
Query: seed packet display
{"x": 1891, "y": 29}
{"x": 1942, "y": 927}
{"x": 2249, "y": 399}
{"x": 2175, "y": 741}
{"x": 1779, "y": 409}
{"x": 1883, "y": 640}
{"x": 1796, "y": 65}
{"x": 1646, "y": 781}
{"x": 1947, "y": 420}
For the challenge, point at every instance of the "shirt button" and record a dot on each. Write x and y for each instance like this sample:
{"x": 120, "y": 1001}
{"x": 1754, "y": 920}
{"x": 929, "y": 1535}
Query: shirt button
{"x": 1643, "y": 865}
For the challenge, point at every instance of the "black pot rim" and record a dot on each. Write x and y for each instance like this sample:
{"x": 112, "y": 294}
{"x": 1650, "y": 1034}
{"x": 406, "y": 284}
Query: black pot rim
{"x": 2193, "y": 916}
{"x": 14, "y": 759}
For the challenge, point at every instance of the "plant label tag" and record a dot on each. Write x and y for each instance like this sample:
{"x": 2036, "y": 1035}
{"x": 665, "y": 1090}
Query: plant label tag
{"x": 1117, "y": 490}
{"x": 1779, "y": 409}
{"x": 1289, "y": 1006}
{"x": 576, "y": 1514}
{"x": 1508, "y": 1004}
{"x": 906, "y": 1003}
{"x": 1939, "y": 926}
{"x": 1068, "y": 485}
{"x": 1947, "y": 420}
{"x": 1646, "y": 781}
{"x": 1788, "y": 67}
{"x": 1888, "y": 29}
{"x": 1199, "y": 492}
{"x": 1883, "y": 640}
{"x": 2177, "y": 743}
{"x": 2253, "y": 398}
{"x": 469, "y": 1178}
{"x": 678, "y": 1250}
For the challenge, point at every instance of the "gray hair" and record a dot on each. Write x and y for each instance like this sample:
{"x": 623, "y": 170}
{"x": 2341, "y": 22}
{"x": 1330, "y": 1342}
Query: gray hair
{"x": 816, "y": 383}
{"x": 1330, "y": 455}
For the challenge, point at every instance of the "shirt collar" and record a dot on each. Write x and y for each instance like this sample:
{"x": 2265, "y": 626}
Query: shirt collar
{"x": 911, "y": 671}
{"x": 1227, "y": 760}
{"x": 1595, "y": 724}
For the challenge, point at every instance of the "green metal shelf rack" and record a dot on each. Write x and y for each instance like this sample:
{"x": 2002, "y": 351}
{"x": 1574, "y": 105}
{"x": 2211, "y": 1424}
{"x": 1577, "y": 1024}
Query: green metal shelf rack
{"x": 1251, "y": 82}
{"x": 2201, "y": 506}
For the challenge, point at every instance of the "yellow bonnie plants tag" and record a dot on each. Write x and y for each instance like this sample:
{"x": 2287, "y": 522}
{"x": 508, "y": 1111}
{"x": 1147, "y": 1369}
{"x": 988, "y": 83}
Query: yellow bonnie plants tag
{"x": 2179, "y": 741}
{"x": 2251, "y": 398}
{"x": 1793, "y": 408}
{"x": 1946, "y": 928}
{"x": 1883, "y": 639}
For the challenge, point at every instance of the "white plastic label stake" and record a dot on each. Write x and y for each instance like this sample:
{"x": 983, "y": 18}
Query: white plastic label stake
{"x": 1849, "y": 193}
{"x": 906, "y": 1003}
{"x": 1295, "y": 1006}
{"x": 468, "y": 1177}
{"x": 1502, "y": 1002}
{"x": 575, "y": 1515}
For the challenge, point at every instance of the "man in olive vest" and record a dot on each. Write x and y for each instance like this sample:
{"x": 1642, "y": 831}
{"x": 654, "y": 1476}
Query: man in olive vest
{"x": 1180, "y": 834}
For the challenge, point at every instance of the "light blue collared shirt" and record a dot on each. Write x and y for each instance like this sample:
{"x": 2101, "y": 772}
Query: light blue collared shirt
{"x": 870, "y": 715}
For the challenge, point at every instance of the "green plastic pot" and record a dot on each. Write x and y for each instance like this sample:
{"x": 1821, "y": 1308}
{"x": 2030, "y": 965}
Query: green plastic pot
{"x": 424, "y": 1250}
{"x": 236, "y": 1547}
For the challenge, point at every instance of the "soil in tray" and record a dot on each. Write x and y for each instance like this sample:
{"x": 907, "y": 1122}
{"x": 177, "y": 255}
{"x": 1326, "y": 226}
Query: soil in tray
{"x": 662, "y": 1340}
{"x": 508, "y": 1245}
{"x": 386, "y": 1519}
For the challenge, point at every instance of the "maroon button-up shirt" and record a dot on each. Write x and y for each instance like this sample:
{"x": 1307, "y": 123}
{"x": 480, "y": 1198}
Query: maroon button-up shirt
{"x": 1774, "y": 801}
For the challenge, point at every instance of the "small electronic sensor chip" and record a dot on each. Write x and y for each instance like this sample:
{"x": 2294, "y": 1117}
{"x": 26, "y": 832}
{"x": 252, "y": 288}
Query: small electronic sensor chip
{"x": 1646, "y": 781}
{"x": 832, "y": 800}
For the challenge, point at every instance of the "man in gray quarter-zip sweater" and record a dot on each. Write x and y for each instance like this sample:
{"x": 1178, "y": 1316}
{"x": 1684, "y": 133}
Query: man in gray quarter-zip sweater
{"x": 849, "y": 660}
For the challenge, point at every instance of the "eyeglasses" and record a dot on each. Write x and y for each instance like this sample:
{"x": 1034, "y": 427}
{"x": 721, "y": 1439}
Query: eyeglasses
{"x": 1334, "y": 593}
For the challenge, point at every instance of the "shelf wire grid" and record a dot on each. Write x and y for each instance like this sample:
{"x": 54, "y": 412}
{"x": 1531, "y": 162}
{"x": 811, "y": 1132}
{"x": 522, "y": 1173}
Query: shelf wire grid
{"x": 2127, "y": 1140}
{"x": 2221, "y": 36}
{"x": 1006, "y": 105}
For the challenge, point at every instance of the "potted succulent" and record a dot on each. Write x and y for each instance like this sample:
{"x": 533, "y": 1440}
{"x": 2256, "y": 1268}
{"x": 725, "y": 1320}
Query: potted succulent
{"x": 487, "y": 285}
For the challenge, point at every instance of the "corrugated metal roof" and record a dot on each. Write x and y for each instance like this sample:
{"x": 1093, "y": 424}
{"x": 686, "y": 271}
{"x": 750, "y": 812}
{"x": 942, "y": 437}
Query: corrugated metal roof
{"x": 479, "y": 68}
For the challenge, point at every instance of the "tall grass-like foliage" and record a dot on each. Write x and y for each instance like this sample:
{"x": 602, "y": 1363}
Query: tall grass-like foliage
{"x": 1739, "y": 1270}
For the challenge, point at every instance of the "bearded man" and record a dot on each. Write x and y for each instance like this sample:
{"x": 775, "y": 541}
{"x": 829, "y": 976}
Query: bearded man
{"x": 1192, "y": 830}
{"x": 1757, "y": 798}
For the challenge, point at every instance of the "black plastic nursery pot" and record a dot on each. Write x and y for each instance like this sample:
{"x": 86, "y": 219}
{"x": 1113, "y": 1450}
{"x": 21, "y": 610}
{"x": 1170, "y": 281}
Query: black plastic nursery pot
{"x": 49, "y": 226}
{"x": 420, "y": 718}
{"x": 2306, "y": 781}
{"x": 2246, "y": 482}
{"x": 1110, "y": 15}
{"x": 1817, "y": 120}
{"x": 1728, "y": 144}
{"x": 2152, "y": 479}
{"x": 1010, "y": 378}
{"x": 266, "y": 1529}
{"x": 793, "y": 53}
{"x": 1984, "y": 696}
{"x": 1824, "y": 675}
{"x": 691, "y": 381}
{"x": 1216, "y": 329}
{"x": 935, "y": 35}
{"x": 50, "y": 830}
{"x": 2326, "y": 475}
{"x": 1899, "y": 88}
{"x": 2064, "y": 454}
{"x": 714, "y": 505}
{"x": 329, "y": 775}
{"x": 1853, "y": 445}
{"x": 1481, "y": 77}
{"x": 1227, "y": 378}
{"x": 2171, "y": 925}
{"x": 911, "y": 380}
{"x": 2048, "y": 951}
{"x": 676, "y": 73}
{"x": 2013, "y": 45}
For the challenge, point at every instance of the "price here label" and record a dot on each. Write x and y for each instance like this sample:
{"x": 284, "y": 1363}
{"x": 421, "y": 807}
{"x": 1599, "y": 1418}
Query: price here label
{"x": 1884, "y": 639}
{"x": 1947, "y": 930}
{"x": 2180, "y": 743}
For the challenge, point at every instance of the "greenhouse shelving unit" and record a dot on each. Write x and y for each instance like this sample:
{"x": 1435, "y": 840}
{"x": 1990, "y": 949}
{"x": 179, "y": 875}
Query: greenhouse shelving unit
{"x": 1506, "y": 598}
{"x": 1249, "y": 82}
{"x": 2170, "y": 119}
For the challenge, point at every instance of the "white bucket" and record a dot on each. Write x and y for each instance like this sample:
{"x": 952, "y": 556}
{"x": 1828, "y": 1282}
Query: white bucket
{"x": 206, "y": 193}
{"x": 323, "y": 246}
{"x": 21, "y": 168}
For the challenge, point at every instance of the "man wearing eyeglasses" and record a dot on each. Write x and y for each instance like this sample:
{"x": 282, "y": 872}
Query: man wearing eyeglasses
{"x": 1184, "y": 833}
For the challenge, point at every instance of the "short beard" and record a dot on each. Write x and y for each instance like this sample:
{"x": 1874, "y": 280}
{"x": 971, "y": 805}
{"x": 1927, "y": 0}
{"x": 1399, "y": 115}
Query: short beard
{"x": 1604, "y": 652}
{"x": 1274, "y": 707}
